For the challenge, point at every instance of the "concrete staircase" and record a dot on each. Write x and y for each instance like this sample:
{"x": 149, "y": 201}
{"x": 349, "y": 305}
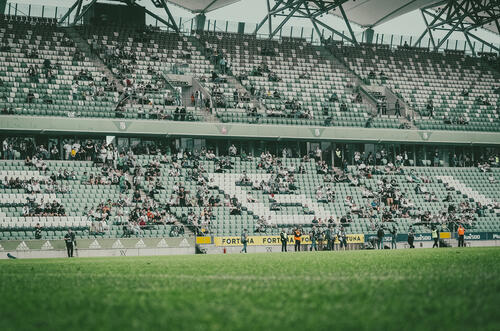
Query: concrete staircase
{"x": 84, "y": 46}
{"x": 407, "y": 111}
{"x": 231, "y": 80}
{"x": 236, "y": 83}
{"x": 355, "y": 80}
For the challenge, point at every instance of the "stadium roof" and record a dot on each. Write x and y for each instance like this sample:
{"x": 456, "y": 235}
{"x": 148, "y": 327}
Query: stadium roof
{"x": 202, "y": 6}
{"x": 366, "y": 13}
{"x": 370, "y": 13}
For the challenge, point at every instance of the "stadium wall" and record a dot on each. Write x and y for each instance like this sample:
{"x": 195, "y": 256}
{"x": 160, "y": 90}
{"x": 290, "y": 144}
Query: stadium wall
{"x": 210, "y": 245}
{"x": 94, "y": 126}
{"x": 98, "y": 247}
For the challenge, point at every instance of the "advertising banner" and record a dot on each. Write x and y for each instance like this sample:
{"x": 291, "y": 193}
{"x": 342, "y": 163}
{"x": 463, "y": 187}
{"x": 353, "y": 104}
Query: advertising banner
{"x": 98, "y": 243}
{"x": 275, "y": 240}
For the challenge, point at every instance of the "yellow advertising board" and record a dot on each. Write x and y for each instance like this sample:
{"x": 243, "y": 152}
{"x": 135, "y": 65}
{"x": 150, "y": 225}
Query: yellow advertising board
{"x": 275, "y": 240}
{"x": 445, "y": 235}
{"x": 203, "y": 240}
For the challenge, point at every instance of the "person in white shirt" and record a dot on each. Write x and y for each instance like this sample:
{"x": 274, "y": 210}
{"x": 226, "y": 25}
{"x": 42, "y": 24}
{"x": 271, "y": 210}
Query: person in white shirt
{"x": 67, "y": 150}
{"x": 319, "y": 154}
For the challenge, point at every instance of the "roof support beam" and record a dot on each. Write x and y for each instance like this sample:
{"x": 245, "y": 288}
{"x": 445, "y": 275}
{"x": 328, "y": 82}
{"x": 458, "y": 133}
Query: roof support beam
{"x": 427, "y": 30}
{"x": 153, "y": 15}
{"x": 470, "y": 44}
{"x": 78, "y": 10}
{"x": 305, "y": 9}
{"x": 285, "y": 20}
{"x": 269, "y": 17}
{"x": 269, "y": 13}
{"x": 70, "y": 10}
{"x": 447, "y": 35}
{"x": 461, "y": 16}
{"x": 326, "y": 26}
{"x": 483, "y": 41}
{"x": 85, "y": 10}
{"x": 170, "y": 17}
{"x": 348, "y": 25}
{"x": 314, "y": 24}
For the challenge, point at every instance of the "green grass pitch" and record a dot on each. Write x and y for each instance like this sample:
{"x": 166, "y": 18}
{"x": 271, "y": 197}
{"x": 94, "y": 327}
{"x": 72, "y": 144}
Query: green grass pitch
{"x": 423, "y": 289}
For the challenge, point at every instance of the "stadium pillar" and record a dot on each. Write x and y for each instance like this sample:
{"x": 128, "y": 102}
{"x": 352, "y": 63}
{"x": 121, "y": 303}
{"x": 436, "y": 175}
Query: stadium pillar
{"x": 241, "y": 27}
{"x": 3, "y": 4}
{"x": 369, "y": 35}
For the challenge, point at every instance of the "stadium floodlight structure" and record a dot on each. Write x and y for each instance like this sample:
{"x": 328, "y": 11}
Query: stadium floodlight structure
{"x": 306, "y": 9}
{"x": 461, "y": 16}
{"x": 79, "y": 13}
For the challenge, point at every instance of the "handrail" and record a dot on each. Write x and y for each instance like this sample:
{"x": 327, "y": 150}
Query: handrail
{"x": 373, "y": 100}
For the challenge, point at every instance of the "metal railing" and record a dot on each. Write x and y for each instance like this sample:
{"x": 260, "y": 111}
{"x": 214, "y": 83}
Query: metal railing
{"x": 188, "y": 26}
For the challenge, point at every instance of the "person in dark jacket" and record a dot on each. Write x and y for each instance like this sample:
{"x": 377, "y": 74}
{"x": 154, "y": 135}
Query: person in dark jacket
{"x": 380, "y": 237}
{"x": 244, "y": 241}
{"x": 70, "y": 240}
{"x": 411, "y": 237}
{"x": 284, "y": 240}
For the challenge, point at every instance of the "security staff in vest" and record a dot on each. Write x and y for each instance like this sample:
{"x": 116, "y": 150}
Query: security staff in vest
{"x": 296, "y": 236}
{"x": 70, "y": 240}
{"x": 313, "y": 235}
{"x": 461, "y": 235}
{"x": 394, "y": 237}
{"x": 284, "y": 240}
{"x": 244, "y": 240}
{"x": 435, "y": 237}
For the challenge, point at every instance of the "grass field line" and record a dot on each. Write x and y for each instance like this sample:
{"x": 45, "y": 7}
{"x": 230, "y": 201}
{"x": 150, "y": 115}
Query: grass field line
{"x": 277, "y": 278}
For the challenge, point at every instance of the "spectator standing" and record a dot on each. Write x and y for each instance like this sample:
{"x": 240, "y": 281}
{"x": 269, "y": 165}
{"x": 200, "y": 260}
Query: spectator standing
{"x": 397, "y": 107}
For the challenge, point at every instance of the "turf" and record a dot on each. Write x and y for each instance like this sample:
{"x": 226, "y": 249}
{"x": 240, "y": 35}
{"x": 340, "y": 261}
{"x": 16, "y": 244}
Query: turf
{"x": 424, "y": 289}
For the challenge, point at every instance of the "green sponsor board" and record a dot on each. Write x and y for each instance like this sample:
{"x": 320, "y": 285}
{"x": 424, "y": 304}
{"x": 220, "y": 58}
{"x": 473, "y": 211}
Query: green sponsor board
{"x": 428, "y": 236}
{"x": 107, "y": 243}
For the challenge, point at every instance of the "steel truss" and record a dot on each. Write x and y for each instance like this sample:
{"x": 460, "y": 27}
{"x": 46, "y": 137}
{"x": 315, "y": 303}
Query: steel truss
{"x": 79, "y": 14}
{"x": 305, "y": 9}
{"x": 460, "y": 16}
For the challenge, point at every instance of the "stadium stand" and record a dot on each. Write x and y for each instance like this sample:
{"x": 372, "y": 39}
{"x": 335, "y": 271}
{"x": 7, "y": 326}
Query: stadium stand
{"x": 104, "y": 191}
{"x": 141, "y": 57}
{"x": 171, "y": 188}
{"x": 275, "y": 82}
{"x": 449, "y": 91}
{"x": 43, "y": 73}
{"x": 296, "y": 82}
